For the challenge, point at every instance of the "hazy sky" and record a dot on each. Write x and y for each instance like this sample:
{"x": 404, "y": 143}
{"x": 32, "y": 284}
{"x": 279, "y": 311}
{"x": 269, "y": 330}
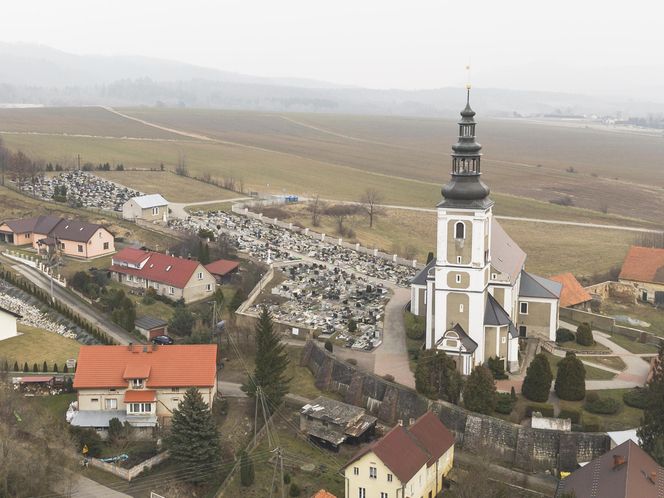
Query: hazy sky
{"x": 541, "y": 45}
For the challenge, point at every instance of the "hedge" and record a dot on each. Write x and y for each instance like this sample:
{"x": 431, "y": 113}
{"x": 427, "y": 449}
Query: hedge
{"x": 415, "y": 326}
{"x": 593, "y": 423}
{"x": 546, "y": 409}
{"x": 564, "y": 335}
{"x": 504, "y": 403}
{"x": 636, "y": 398}
{"x": 601, "y": 406}
{"x": 574, "y": 415}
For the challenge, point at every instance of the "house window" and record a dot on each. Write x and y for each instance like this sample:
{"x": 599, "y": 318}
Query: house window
{"x": 94, "y": 400}
{"x": 155, "y": 210}
{"x": 356, "y": 471}
{"x": 80, "y": 248}
{"x": 175, "y": 389}
{"x": 140, "y": 407}
{"x": 362, "y": 493}
{"x": 62, "y": 245}
{"x": 111, "y": 404}
{"x": 523, "y": 308}
{"x": 494, "y": 276}
{"x": 171, "y": 290}
{"x": 458, "y": 279}
{"x": 208, "y": 287}
{"x": 137, "y": 383}
{"x": 383, "y": 495}
{"x": 389, "y": 477}
{"x": 503, "y": 340}
{"x": 459, "y": 230}
{"x": 105, "y": 246}
{"x": 372, "y": 472}
{"x": 200, "y": 275}
{"x": 130, "y": 278}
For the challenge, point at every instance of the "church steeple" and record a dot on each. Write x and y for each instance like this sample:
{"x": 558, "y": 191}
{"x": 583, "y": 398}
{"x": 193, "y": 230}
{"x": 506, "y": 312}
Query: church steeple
{"x": 465, "y": 188}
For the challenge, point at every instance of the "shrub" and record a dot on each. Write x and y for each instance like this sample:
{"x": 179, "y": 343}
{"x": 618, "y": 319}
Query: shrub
{"x": 591, "y": 423}
{"x": 247, "y": 473}
{"x": 115, "y": 429}
{"x": 564, "y": 335}
{"x": 497, "y": 367}
{"x": 328, "y": 345}
{"x": 537, "y": 384}
{"x": 584, "y": 335}
{"x": 148, "y": 300}
{"x": 388, "y": 377}
{"x": 294, "y": 490}
{"x": 602, "y": 406}
{"x": 572, "y": 414}
{"x": 636, "y": 398}
{"x": 504, "y": 403}
{"x": 571, "y": 379}
{"x": 415, "y": 326}
{"x": 287, "y": 478}
{"x": 87, "y": 437}
{"x": 479, "y": 394}
{"x": 351, "y": 361}
{"x": 546, "y": 409}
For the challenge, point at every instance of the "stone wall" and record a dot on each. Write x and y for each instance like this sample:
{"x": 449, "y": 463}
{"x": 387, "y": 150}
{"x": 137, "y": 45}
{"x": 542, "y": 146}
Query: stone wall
{"x": 608, "y": 324}
{"x": 620, "y": 291}
{"x": 512, "y": 444}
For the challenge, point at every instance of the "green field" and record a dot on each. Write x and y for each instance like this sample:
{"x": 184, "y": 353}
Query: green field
{"x": 34, "y": 345}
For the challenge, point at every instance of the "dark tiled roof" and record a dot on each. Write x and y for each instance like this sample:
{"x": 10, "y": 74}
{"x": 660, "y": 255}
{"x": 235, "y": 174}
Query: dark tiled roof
{"x": 41, "y": 224}
{"x": 149, "y": 322}
{"x": 534, "y": 286}
{"x": 78, "y": 231}
{"x": 421, "y": 277}
{"x": 506, "y": 256}
{"x": 495, "y": 315}
{"x": 626, "y": 471}
{"x": 465, "y": 339}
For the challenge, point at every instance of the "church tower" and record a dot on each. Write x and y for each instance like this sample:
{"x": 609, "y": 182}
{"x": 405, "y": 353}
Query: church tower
{"x": 457, "y": 284}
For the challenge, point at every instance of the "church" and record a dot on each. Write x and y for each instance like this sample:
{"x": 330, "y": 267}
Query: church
{"x": 476, "y": 295}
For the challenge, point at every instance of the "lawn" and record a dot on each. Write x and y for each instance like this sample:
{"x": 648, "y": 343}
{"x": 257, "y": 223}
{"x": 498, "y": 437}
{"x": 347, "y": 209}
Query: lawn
{"x": 55, "y": 405}
{"x": 34, "y": 345}
{"x": 640, "y": 311}
{"x": 591, "y": 372}
{"x": 633, "y": 346}
{"x": 614, "y": 362}
{"x": 215, "y": 206}
{"x": 627, "y": 418}
{"x": 573, "y": 345}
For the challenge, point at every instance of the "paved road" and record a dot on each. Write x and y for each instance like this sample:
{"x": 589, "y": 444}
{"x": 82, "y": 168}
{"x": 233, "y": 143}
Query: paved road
{"x": 79, "y": 486}
{"x": 392, "y": 355}
{"x": 70, "y": 300}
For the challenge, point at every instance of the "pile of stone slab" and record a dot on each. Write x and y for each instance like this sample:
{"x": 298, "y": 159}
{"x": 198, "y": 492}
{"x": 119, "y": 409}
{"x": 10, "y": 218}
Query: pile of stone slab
{"x": 33, "y": 316}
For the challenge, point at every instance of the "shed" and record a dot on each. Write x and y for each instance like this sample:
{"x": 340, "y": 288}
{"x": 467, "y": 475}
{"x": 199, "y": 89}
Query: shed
{"x": 223, "y": 269}
{"x": 151, "y": 327}
{"x": 8, "y": 327}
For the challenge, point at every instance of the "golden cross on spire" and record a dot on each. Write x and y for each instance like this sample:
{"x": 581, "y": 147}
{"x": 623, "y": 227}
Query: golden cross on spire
{"x": 468, "y": 83}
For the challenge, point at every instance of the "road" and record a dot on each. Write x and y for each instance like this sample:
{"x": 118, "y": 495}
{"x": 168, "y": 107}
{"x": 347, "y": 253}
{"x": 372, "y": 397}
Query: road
{"x": 86, "y": 311}
{"x": 79, "y": 486}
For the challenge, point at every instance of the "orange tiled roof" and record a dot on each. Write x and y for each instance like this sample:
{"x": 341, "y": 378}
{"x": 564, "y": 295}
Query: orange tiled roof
{"x": 323, "y": 494}
{"x": 140, "y": 396}
{"x": 190, "y": 365}
{"x": 573, "y": 293}
{"x": 136, "y": 370}
{"x": 643, "y": 264}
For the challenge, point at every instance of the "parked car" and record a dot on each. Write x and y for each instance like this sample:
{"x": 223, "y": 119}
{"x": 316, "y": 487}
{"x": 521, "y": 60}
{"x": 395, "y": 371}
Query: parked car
{"x": 162, "y": 340}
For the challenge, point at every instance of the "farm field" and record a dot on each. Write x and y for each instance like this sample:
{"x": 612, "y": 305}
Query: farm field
{"x": 407, "y": 159}
{"x": 34, "y": 345}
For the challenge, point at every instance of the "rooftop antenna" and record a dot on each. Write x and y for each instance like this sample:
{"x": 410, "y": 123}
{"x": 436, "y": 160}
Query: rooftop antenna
{"x": 468, "y": 83}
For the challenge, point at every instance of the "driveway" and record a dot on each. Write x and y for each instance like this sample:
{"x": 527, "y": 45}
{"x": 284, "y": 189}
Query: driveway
{"x": 392, "y": 355}
{"x": 78, "y": 486}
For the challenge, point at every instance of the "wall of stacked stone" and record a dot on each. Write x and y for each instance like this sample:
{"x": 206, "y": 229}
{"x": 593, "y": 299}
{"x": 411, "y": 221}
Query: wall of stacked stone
{"x": 514, "y": 445}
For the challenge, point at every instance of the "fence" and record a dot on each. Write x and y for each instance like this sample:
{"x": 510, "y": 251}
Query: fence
{"x": 37, "y": 265}
{"x": 129, "y": 474}
{"x": 608, "y": 324}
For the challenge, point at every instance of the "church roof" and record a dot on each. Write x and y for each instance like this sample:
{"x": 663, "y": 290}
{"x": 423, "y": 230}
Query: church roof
{"x": 465, "y": 339}
{"x": 506, "y": 256}
{"x": 421, "y": 277}
{"x": 539, "y": 287}
{"x": 496, "y": 316}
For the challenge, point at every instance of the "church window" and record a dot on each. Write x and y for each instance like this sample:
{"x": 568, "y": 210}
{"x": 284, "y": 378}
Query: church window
{"x": 458, "y": 259}
{"x": 458, "y": 279}
{"x": 461, "y": 308}
{"x": 524, "y": 308}
{"x": 459, "y": 230}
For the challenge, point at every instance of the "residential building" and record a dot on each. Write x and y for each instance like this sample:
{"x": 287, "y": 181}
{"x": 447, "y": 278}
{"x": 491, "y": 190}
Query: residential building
{"x": 573, "y": 295}
{"x": 152, "y": 207}
{"x": 321, "y": 493}
{"x": 406, "y": 462}
{"x": 223, "y": 269}
{"x": 626, "y": 471}
{"x": 475, "y": 294}
{"x": 151, "y": 327}
{"x": 78, "y": 239}
{"x": 175, "y": 278}
{"x": 644, "y": 269}
{"x": 8, "y": 327}
{"x": 330, "y": 422}
{"x": 140, "y": 384}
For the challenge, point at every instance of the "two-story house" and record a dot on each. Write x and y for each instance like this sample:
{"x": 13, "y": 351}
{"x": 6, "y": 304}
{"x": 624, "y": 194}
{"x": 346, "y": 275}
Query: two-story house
{"x": 406, "y": 462}
{"x": 140, "y": 384}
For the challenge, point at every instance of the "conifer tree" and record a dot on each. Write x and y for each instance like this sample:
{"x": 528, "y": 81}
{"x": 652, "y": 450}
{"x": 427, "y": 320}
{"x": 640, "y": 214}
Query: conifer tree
{"x": 44, "y": 367}
{"x": 436, "y": 376}
{"x": 479, "y": 394}
{"x": 15, "y": 366}
{"x": 651, "y": 431}
{"x": 246, "y": 469}
{"x": 537, "y": 384}
{"x": 193, "y": 441}
{"x": 571, "y": 378}
{"x": 271, "y": 362}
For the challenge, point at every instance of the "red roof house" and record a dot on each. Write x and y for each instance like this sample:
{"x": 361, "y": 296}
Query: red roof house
{"x": 222, "y": 269}
{"x": 573, "y": 294}
{"x": 643, "y": 264}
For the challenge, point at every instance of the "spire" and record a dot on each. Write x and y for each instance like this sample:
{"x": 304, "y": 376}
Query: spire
{"x": 465, "y": 187}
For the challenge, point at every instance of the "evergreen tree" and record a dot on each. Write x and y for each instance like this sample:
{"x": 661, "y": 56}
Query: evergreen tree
{"x": 44, "y": 367}
{"x": 571, "y": 379}
{"x": 436, "y": 376}
{"x": 479, "y": 394}
{"x": 35, "y": 368}
{"x": 651, "y": 431}
{"x": 193, "y": 441}
{"x": 182, "y": 321}
{"x": 584, "y": 334}
{"x": 65, "y": 369}
{"x": 271, "y": 362}
{"x": 15, "y": 366}
{"x": 246, "y": 469}
{"x": 55, "y": 367}
{"x": 537, "y": 384}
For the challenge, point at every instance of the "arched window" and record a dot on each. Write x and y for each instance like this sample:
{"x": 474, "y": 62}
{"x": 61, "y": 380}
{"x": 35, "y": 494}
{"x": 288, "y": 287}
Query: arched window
{"x": 460, "y": 230}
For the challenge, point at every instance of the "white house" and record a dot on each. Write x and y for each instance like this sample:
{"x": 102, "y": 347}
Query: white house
{"x": 151, "y": 207}
{"x": 8, "y": 324}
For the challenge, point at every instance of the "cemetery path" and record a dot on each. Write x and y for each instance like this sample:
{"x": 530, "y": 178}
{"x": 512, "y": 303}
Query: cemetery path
{"x": 392, "y": 355}
{"x": 178, "y": 208}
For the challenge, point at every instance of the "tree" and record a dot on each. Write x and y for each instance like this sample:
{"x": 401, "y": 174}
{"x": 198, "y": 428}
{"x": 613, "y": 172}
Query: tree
{"x": 44, "y": 367}
{"x": 193, "y": 441}
{"x": 479, "y": 393}
{"x": 329, "y": 345}
{"x": 271, "y": 362}
{"x": 181, "y": 168}
{"x": 182, "y": 321}
{"x": 340, "y": 212}
{"x": 584, "y": 334}
{"x": 246, "y": 469}
{"x": 537, "y": 384}
{"x": 436, "y": 376}
{"x": 651, "y": 431}
{"x": 370, "y": 201}
{"x": 316, "y": 208}
{"x": 115, "y": 429}
{"x": 571, "y": 378}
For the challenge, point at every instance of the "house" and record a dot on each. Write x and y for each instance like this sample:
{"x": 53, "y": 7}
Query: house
{"x": 475, "y": 294}
{"x": 78, "y": 239}
{"x": 175, "y": 278}
{"x": 140, "y": 384}
{"x": 330, "y": 422}
{"x": 321, "y": 493}
{"x": 8, "y": 327}
{"x": 223, "y": 269}
{"x": 151, "y": 207}
{"x": 573, "y": 295}
{"x": 151, "y": 327}
{"x": 644, "y": 269}
{"x": 405, "y": 462}
{"x": 626, "y": 471}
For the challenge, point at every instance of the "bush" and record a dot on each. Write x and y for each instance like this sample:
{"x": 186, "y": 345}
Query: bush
{"x": 328, "y": 345}
{"x": 87, "y": 437}
{"x": 571, "y": 379}
{"x": 546, "y": 409}
{"x": 479, "y": 393}
{"x": 572, "y": 414}
{"x": 564, "y": 335}
{"x": 247, "y": 473}
{"x": 415, "y": 326}
{"x": 591, "y": 423}
{"x": 294, "y": 490}
{"x": 351, "y": 361}
{"x": 601, "y": 406}
{"x": 497, "y": 367}
{"x": 115, "y": 429}
{"x": 388, "y": 377}
{"x": 584, "y": 335}
{"x": 636, "y": 398}
{"x": 537, "y": 384}
{"x": 504, "y": 403}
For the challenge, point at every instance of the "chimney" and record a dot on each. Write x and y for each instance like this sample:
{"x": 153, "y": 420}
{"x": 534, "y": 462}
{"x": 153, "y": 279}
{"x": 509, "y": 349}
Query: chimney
{"x": 400, "y": 422}
{"x": 130, "y": 347}
{"x": 146, "y": 349}
{"x": 154, "y": 347}
{"x": 653, "y": 477}
{"x": 618, "y": 460}
{"x": 411, "y": 421}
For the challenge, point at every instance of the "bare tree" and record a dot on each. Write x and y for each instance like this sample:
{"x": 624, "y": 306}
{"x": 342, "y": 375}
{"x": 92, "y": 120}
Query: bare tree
{"x": 370, "y": 201}
{"x": 4, "y": 159}
{"x": 316, "y": 207}
{"x": 181, "y": 168}
{"x": 228, "y": 182}
{"x": 340, "y": 212}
